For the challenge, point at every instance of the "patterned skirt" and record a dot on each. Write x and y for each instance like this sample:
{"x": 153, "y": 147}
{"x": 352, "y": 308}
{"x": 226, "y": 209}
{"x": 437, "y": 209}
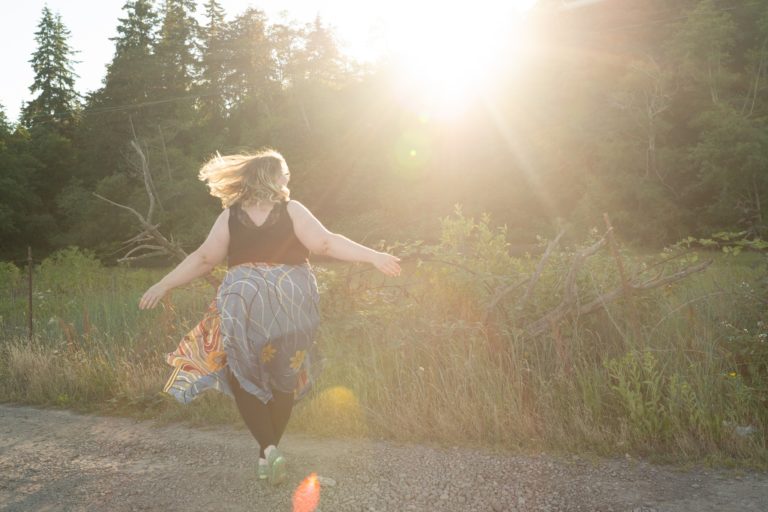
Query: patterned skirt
{"x": 260, "y": 329}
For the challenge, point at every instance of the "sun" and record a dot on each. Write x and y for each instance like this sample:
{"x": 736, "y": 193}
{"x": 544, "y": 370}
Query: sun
{"x": 448, "y": 52}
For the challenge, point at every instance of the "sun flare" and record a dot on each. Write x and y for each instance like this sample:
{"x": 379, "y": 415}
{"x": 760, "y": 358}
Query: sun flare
{"x": 448, "y": 52}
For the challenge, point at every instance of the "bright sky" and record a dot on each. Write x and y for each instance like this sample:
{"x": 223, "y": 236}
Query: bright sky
{"x": 92, "y": 23}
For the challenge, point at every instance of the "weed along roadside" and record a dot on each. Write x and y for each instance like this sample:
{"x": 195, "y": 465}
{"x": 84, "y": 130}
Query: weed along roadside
{"x": 524, "y": 353}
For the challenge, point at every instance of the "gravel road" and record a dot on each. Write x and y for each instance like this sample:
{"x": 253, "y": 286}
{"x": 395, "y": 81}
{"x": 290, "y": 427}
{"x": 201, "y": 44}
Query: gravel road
{"x": 54, "y": 460}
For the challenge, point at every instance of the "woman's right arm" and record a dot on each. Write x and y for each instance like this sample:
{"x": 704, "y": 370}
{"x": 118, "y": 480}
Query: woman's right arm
{"x": 208, "y": 255}
{"x": 315, "y": 237}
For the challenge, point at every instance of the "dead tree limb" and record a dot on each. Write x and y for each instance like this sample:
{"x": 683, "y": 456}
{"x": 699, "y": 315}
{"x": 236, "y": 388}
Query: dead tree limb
{"x": 151, "y": 231}
{"x": 150, "y": 242}
{"x": 544, "y": 323}
{"x": 502, "y": 292}
{"x": 539, "y": 268}
{"x": 570, "y": 293}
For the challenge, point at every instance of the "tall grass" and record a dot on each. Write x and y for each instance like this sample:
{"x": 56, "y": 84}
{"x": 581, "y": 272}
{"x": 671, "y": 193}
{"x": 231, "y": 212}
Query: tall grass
{"x": 415, "y": 359}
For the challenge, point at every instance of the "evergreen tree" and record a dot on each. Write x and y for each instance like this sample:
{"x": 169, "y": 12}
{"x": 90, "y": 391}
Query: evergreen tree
{"x": 56, "y": 103}
{"x": 50, "y": 118}
{"x": 212, "y": 101}
{"x": 251, "y": 89}
{"x": 286, "y": 41}
{"x": 130, "y": 77}
{"x": 249, "y": 58}
{"x": 175, "y": 48}
{"x": 23, "y": 220}
{"x": 124, "y": 103}
{"x": 322, "y": 61}
{"x": 174, "y": 115}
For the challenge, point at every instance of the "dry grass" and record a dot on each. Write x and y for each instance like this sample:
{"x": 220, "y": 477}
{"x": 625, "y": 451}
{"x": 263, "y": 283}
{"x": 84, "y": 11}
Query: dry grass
{"x": 422, "y": 371}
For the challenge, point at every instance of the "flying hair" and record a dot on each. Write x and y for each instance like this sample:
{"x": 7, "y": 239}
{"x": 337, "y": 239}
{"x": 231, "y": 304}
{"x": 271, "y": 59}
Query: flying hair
{"x": 246, "y": 178}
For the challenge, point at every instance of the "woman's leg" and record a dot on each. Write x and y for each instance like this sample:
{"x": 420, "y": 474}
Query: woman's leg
{"x": 256, "y": 415}
{"x": 280, "y": 408}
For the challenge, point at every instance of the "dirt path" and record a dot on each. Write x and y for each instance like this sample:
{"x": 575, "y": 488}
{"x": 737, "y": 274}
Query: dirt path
{"x": 58, "y": 460}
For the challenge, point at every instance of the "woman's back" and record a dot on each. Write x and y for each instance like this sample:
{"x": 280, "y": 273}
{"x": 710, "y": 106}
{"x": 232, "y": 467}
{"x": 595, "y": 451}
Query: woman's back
{"x": 274, "y": 241}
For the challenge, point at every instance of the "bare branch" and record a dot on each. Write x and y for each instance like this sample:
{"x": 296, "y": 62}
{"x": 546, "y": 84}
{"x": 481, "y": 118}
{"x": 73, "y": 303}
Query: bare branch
{"x": 541, "y": 325}
{"x": 539, "y": 268}
{"x": 156, "y": 248}
{"x": 655, "y": 283}
{"x": 137, "y": 214}
{"x": 149, "y": 239}
{"x": 144, "y": 256}
{"x": 570, "y": 295}
{"x": 148, "y": 185}
{"x": 500, "y": 295}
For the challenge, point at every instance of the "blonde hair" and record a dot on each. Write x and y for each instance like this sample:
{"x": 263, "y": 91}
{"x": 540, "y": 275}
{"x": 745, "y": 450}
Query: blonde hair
{"x": 246, "y": 179}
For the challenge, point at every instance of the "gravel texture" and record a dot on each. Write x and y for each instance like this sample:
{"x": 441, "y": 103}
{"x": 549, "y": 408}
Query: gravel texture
{"x": 58, "y": 460}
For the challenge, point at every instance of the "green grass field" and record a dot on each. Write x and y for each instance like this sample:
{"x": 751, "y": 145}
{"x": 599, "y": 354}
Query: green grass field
{"x": 678, "y": 373}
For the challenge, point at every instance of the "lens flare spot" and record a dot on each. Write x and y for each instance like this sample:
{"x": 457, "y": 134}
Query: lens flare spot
{"x": 306, "y": 497}
{"x": 412, "y": 153}
{"x": 338, "y": 411}
{"x": 339, "y": 399}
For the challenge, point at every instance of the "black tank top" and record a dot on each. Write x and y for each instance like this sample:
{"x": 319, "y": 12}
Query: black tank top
{"x": 272, "y": 242}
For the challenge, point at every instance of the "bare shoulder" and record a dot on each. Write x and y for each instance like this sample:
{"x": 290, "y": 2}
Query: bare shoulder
{"x": 303, "y": 220}
{"x": 223, "y": 217}
{"x": 214, "y": 248}
{"x": 221, "y": 225}
{"x": 297, "y": 210}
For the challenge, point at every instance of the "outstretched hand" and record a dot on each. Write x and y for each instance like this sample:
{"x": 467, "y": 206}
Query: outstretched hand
{"x": 387, "y": 264}
{"x": 152, "y": 296}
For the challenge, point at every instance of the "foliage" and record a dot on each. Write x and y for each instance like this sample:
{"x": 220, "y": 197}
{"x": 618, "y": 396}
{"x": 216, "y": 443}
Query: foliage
{"x": 657, "y": 406}
{"x": 70, "y": 269}
{"x": 681, "y": 386}
{"x": 56, "y": 101}
{"x": 666, "y": 132}
{"x": 23, "y": 220}
{"x": 10, "y": 275}
{"x": 654, "y": 112}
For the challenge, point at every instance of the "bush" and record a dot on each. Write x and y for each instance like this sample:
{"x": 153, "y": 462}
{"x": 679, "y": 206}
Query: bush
{"x": 71, "y": 269}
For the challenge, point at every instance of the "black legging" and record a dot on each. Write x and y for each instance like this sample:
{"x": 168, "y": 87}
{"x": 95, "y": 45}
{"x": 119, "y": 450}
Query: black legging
{"x": 266, "y": 422}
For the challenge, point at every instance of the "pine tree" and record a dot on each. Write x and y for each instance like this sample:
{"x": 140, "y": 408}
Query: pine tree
{"x": 249, "y": 59}
{"x": 23, "y": 219}
{"x": 50, "y": 117}
{"x": 175, "y": 48}
{"x": 212, "y": 101}
{"x": 130, "y": 77}
{"x": 57, "y": 102}
{"x": 322, "y": 59}
{"x": 251, "y": 89}
{"x": 287, "y": 45}
{"x": 123, "y": 104}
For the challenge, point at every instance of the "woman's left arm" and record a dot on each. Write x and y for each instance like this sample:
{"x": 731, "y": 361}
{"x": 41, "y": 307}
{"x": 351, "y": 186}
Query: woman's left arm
{"x": 319, "y": 240}
{"x": 200, "y": 262}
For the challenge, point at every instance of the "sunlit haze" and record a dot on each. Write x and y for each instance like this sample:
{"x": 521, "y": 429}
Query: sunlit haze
{"x": 449, "y": 52}
{"x": 444, "y": 48}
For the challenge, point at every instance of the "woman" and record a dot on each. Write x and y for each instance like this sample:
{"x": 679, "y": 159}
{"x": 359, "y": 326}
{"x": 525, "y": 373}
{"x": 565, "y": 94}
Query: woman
{"x": 256, "y": 342}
